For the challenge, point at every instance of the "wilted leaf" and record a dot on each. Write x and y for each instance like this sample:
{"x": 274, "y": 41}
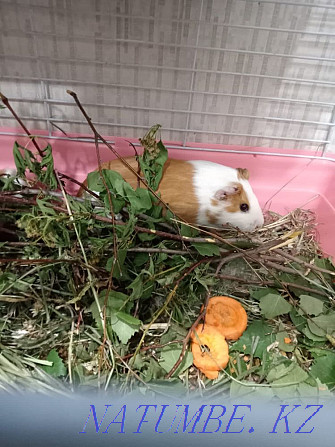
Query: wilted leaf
{"x": 311, "y": 336}
{"x": 242, "y": 389}
{"x": 322, "y": 324}
{"x": 284, "y": 340}
{"x": 170, "y": 355}
{"x": 324, "y": 369}
{"x": 311, "y": 305}
{"x": 257, "y": 337}
{"x": 260, "y": 293}
{"x": 284, "y": 374}
{"x": 154, "y": 157}
{"x": 298, "y": 320}
{"x": 273, "y": 305}
{"x": 152, "y": 371}
{"x": 319, "y": 391}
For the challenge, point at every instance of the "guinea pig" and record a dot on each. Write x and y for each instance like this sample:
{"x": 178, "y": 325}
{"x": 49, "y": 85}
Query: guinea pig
{"x": 203, "y": 192}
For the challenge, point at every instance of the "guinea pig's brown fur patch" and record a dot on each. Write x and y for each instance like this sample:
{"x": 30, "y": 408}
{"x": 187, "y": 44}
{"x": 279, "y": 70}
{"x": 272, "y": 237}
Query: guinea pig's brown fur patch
{"x": 235, "y": 200}
{"x": 242, "y": 174}
{"x": 176, "y": 186}
{"x": 212, "y": 217}
{"x": 214, "y": 202}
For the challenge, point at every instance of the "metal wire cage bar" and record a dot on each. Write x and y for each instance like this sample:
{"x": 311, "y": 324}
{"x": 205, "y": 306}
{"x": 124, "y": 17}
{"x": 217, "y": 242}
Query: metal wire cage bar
{"x": 242, "y": 72}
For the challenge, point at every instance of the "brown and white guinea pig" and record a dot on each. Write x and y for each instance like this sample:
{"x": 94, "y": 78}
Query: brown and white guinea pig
{"x": 203, "y": 192}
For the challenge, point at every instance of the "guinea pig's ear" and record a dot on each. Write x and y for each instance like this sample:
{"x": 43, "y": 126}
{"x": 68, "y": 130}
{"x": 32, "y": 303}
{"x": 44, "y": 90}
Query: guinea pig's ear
{"x": 242, "y": 173}
{"x": 229, "y": 190}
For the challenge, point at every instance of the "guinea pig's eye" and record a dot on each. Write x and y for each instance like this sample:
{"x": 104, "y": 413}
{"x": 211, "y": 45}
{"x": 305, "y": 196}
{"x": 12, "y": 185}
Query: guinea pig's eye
{"x": 244, "y": 207}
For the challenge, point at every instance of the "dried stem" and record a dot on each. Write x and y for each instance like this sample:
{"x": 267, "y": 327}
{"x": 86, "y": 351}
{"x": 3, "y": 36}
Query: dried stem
{"x": 186, "y": 339}
{"x": 167, "y": 301}
{"x": 103, "y": 140}
{"x": 5, "y": 100}
{"x": 271, "y": 283}
{"x": 34, "y": 261}
{"x": 306, "y": 264}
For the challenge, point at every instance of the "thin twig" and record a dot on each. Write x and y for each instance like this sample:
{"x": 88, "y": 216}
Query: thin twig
{"x": 5, "y": 100}
{"x": 82, "y": 185}
{"x": 186, "y": 339}
{"x": 246, "y": 253}
{"x": 271, "y": 283}
{"x": 35, "y": 261}
{"x": 306, "y": 264}
{"x": 124, "y": 161}
{"x": 167, "y": 301}
{"x": 159, "y": 250}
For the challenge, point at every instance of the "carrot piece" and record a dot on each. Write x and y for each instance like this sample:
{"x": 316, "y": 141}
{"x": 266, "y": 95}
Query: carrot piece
{"x": 210, "y": 349}
{"x": 228, "y": 316}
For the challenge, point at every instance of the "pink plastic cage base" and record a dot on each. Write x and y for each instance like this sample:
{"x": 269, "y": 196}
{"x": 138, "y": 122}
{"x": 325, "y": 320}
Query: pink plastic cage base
{"x": 282, "y": 180}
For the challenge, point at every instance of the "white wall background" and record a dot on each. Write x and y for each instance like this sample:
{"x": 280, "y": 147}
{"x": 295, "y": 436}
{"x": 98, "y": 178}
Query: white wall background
{"x": 246, "y": 72}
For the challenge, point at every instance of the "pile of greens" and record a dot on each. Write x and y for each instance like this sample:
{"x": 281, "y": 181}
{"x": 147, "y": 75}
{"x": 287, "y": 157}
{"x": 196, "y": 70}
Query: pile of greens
{"x": 100, "y": 293}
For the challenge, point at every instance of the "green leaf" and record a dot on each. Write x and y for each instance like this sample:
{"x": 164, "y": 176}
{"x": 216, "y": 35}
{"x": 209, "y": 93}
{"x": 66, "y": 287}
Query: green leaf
{"x": 316, "y": 338}
{"x": 260, "y": 293}
{"x": 257, "y": 337}
{"x": 273, "y": 305}
{"x": 311, "y": 305}
{"x": 284, "y": 374}
{"x": 322, "y": 324}
{"x": 115, "y": 182}
{"x": 298, "y": 320}
{"x": 7, "y": 280}
{"x": 154, "y": 157}
{"x": 325, "y": 263}
{"x": 46, "y": 207}
{"x": 57, "y": 369}
{"x": 169, "y": 356}
{"x": 19, "y": 160}
{"x": 167, "y": 279}
{"x": 128, "y": 319}
{"x": 118, "y": 268}
{"x": 187, "y": 230}
{"x": 318, "y": 391}
{"x": 125, "y": 326}
{"x": 280, "y": 337}
{"x": 144, "y": 237}
{"x": 140, "y": 201}
{"x": 299, "y": 281}
{"x": 153, "y": 371}
{"x": 206, "y": 248}
{"x": 44, "y": 170}
{"x": 47, "y": 175}
{"x": 112, "y": 179}
{"x": 141, "y": 259}
{"x": 242, "y": 389}
{"x": 94, "y": 182}
{"x": 324, "y": 369}
{"x": 137, "y": 287}
{"x": 115, "y": 302}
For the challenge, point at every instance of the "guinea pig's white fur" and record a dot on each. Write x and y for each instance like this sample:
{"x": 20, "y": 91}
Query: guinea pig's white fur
{"x": 203, "y": 192}
{"x": 221, "y": 190}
